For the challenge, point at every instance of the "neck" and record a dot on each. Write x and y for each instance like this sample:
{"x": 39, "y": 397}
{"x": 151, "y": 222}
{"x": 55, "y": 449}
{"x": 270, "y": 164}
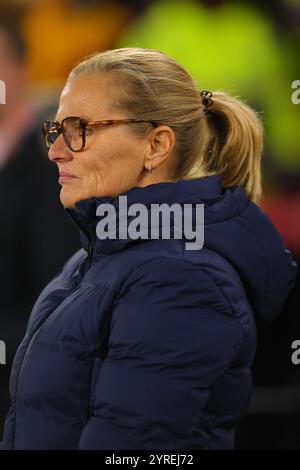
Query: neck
{"x": 156, "y": 176}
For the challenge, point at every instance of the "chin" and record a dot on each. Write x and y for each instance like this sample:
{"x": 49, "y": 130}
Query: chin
{"x": 67, "y": 204}
{"x": 68, "y": 200}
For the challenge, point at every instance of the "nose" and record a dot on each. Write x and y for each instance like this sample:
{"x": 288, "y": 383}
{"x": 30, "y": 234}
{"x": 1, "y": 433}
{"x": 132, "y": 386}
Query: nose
{"x": 59, "y": 151}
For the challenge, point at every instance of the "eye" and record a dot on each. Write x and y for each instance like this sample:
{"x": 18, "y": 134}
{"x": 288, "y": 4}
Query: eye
{"x": 76, "y": 129}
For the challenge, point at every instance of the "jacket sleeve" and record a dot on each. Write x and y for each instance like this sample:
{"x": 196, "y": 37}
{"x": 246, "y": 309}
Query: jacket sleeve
{"x": 172, "y": 337}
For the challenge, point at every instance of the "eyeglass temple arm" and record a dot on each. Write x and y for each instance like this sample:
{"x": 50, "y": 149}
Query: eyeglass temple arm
{"x": 117, "y": 121}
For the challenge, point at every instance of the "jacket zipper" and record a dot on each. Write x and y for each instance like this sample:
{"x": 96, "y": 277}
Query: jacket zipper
{"x": 37, "y": 330}
{"x": 90, "y": 253}
{"x": 88, "y": 262}
{"x": 88, "y": 235}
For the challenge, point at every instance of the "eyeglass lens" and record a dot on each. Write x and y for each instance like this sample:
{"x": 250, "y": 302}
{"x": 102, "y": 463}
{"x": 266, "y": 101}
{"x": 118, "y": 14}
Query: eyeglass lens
{"x": 72, "y": 131}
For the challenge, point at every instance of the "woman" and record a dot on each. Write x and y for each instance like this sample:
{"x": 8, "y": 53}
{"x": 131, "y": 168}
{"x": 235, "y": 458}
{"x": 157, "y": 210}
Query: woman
{"x": 140, "y": 342}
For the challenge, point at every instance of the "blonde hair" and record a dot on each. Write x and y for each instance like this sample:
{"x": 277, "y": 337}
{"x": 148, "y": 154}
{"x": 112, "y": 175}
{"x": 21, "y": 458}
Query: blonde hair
{"x": 227, "y": 140}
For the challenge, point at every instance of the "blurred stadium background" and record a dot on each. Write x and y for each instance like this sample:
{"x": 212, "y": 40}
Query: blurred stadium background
{"x": 247, "y": 48}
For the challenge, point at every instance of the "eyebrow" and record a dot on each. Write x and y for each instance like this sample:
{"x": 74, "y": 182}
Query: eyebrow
{"x": 82, "y": 116}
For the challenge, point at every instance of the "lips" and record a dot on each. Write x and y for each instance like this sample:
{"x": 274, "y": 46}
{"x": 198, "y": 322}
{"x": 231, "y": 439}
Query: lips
{"x": 64, "y": 176}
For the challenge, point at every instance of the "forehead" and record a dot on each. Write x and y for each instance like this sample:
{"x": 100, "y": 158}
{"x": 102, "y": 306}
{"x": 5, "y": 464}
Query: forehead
{"x": 86, "y": 96}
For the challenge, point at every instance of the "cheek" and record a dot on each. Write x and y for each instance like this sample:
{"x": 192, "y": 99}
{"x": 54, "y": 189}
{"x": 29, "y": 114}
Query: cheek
{"x": 120, "y": 164}
{"x": 112, "y": 169}
{"x": 126, "y": 166}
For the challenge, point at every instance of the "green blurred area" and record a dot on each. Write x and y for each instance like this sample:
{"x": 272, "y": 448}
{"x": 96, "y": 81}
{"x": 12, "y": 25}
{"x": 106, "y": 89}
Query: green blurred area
{"x": 234, "y": 48}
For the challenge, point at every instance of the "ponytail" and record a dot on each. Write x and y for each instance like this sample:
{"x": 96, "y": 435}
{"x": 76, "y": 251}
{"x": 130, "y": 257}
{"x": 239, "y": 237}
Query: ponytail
{"x": 235, "y": 143}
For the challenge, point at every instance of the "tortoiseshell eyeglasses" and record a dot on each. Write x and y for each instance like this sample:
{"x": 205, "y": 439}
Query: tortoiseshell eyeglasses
{"x": 74, "y": 130}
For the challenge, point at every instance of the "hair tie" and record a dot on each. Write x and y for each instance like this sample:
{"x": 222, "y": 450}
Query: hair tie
{"x": 207, "y": 100}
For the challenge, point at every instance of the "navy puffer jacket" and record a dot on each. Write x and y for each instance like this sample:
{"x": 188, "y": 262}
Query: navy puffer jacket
{"x": 142, "y": 344}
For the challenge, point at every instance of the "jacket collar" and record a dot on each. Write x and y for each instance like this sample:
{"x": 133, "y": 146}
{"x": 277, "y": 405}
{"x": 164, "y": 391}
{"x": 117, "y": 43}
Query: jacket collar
{"x": 181, "y": 191}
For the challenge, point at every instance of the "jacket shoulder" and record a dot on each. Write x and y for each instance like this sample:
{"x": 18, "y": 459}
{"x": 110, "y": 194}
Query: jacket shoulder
{"x": 208, "y": 276}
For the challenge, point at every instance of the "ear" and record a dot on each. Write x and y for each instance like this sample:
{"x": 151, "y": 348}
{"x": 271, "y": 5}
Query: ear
{"x": 161, "y": 141}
